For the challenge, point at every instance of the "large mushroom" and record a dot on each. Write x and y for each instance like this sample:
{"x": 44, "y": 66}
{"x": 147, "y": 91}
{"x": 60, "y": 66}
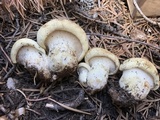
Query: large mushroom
{"x": 66, "y": 44}
{"x": 99, "y": 63}
{"x": 139, "y": 77}
{"x": 28, "y": 53}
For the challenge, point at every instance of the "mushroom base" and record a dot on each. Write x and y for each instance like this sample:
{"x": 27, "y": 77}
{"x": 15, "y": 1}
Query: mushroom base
{"x": 121, "y": 97}
{"x": 99, "y": 71}
{"x": 63, "y": 60}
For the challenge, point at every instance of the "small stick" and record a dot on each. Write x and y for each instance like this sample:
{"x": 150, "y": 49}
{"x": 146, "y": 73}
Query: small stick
{"x": 9, "y": 72}
{"x": 122, "y": 38}
{"x": 154, "y": 100}
{"x": 30, "y": 90}
{"x": 69, "y": 108}
{"x": 33, "y": 111}
{"x": 75, "y": 103}
{"x": 62, "y": 105}
{"x": 6, "y": 54}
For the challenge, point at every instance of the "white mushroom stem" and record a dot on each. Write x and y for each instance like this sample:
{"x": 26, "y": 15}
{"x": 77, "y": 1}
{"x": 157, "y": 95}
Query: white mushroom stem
{"x": 61, "y": 47}
{"x": 137, "y": 82}
{"x": 83, "y": 75}
{"x": 83, "y": 69}
{"x": 98, "y": 75}
{"x": 62, "y": 57}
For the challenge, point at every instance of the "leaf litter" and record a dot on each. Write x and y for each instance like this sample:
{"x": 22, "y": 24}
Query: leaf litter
{"x": 108, "y": 25}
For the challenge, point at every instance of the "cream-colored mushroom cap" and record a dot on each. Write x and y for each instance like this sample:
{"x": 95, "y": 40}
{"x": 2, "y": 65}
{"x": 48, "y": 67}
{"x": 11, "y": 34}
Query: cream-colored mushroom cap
{"x": 144, "y": 65}
{"x": 21, "y": 43}
{"x": 100, "y": 52}
{"x": 84, "y": 65}
{"x": 70, "y": 29}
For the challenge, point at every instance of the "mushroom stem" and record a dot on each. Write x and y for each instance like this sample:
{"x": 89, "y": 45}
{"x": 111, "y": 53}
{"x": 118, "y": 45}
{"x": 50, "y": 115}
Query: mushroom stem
{"x": 83, "y": 69}
{"x": 98, "y": 75}
{"x": 137, "y": 82}
{"x": 83, "y": 75}
{"x": 63, "y": 59}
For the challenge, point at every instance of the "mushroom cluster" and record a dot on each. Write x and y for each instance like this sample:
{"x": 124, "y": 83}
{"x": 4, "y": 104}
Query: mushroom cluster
{"x": 139, "y": 77}
{"x": 60, "y": 45}
{"x": 99, "y": 64}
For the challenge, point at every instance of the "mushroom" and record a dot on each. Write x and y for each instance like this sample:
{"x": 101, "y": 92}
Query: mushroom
{"x": 66, "y": 44}
{"x": 28, "y": 53}
{"x": 83, "y": 69}
{"x": 139, "y": 77}
{"x": 99, "y": 63}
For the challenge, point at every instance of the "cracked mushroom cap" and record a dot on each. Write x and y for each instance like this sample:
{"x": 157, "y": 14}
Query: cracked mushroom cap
{"x": 100, "y": 52}
{"x": 144, "y": 65}
{"x": 24, "y": 42}
{"x": 64, "y": 30}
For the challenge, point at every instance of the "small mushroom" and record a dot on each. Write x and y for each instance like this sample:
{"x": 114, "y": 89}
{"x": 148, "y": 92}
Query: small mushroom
{"x": 28, "y": 53}
{"x": 139, "y": 77}
{"x": 66, "y": 44}
{"x": 83, "y": 69}
{"x": 99, "y": 63}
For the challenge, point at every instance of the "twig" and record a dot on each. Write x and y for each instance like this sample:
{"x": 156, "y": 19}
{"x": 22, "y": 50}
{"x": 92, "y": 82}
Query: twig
{"x": 75, "y": 103}
{"x": 64, "y": 9}
{"x": 154, "y": 100}
{"x": 23, "y": 95}
{"x": 40, "y": 99}
{"x": 30, "y": 90}
{"x": 31, "y": 100}
{"x": 9, "y": 72}
{"x": 122, "y": 38}
{"x": 33, "y": 111}
{"x": 5, "y": 54}
{"x": 69, "y": 108}
{"x": 48, "y": 98}
{"x": 13, "y": 36}
{"x": 145, "y": 17}
{"x": 101, "y": 24}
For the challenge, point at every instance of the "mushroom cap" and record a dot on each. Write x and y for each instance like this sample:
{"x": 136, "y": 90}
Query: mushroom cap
{"x": 64, "y": 26}
{"x": 100, "y": 52}
{"x": 83, "y": 65}
{"x": 144, "y": 65}
{"x": 21, "y": 43}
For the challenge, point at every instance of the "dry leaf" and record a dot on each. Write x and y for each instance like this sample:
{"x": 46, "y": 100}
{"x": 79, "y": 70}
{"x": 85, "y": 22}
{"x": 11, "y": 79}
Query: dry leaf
{"x": 138, "y": 34}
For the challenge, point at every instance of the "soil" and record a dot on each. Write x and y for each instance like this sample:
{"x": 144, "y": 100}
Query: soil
{"x": 108, "y": 25}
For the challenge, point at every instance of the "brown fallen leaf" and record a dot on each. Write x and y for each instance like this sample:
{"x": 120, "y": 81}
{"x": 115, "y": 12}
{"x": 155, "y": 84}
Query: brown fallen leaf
{"x": 138, "y": 34}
